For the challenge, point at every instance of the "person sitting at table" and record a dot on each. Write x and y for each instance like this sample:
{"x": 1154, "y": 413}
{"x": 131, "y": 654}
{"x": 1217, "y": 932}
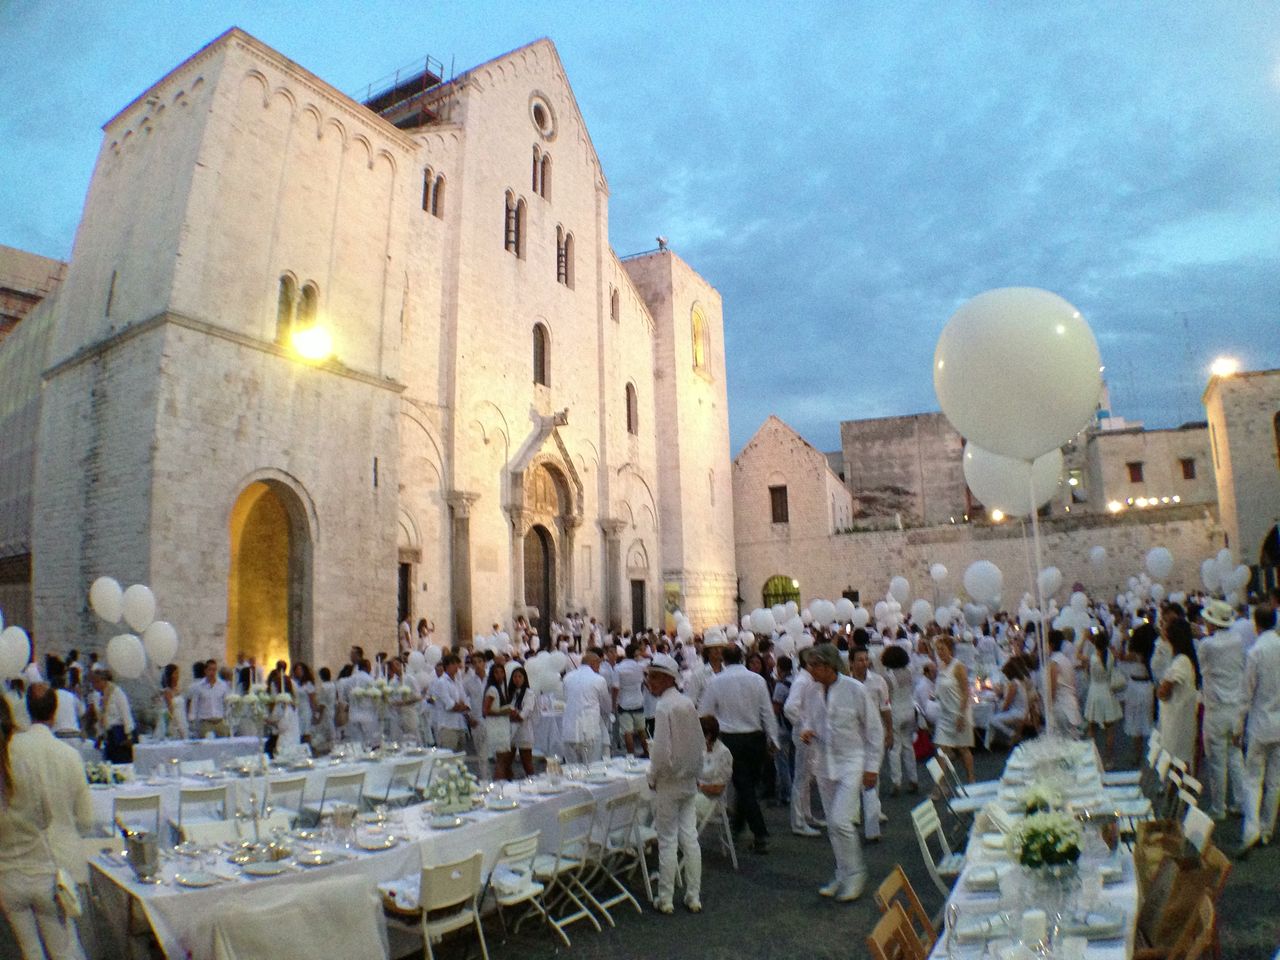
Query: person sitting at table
{"x": 172, "y": 724}
{"x": 717, "y": 769}
{"x": 207, "y": 703}
{"x": 44, "y": 805}
{"x": 1011, "y": 713}
{"x": 117, "y": 718}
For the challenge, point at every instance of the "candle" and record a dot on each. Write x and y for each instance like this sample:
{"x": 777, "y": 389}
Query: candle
{"x": 1035, "y": 926}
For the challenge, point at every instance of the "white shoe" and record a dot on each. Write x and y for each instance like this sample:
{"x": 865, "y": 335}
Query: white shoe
{"x": 806, "y": 831}
{"x": 884, "y": 818}
{"x": 818, "y": 824}
{"x": 664, "y": 907}
{"x": 831, "y": 889}
{"x": 852, "y": 888}
{"x": 693, "y": 906}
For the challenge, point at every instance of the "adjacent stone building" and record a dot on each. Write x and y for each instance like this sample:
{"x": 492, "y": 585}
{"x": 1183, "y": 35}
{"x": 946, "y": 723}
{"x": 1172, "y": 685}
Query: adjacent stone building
{"x": 319, "y": 363}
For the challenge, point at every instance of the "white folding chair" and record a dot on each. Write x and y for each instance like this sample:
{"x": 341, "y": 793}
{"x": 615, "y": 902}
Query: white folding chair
{"x": 561, "y": 872}
{"x": 138, "y": 812}
{"x": 958, "y": 786}
{"x": 212, "y": 832}
{"x": 617, "y": 854}
{"x": 201, "y": 805}
{"x": 924, "y": 817}
{"x": 717, "y": 819}
{"x": 402, "y": 787}
{"x": 958, "y": 805}
{"x": 449, "y": 896}
{"x": 285, "y": 795}
{"x": 338, "y": 788}
{"x": 512, "y": 883}
{"x": 1197, "y": 827}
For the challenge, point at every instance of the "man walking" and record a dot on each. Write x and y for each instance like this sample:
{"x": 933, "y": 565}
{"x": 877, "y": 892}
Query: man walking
{"x": 1221, "y": 656}
{"x": 587, "y": 705}
{"x": 739, "y": 700}
{"x": 1262, "y": 719}
{"x": 676, "y": 762}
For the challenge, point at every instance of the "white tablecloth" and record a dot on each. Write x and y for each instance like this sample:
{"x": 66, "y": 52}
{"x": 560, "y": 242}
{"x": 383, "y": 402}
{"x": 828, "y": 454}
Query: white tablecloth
{"x": 979, "y": 856}
{"x": 182, "y": 919}
{"x": 377, "y": 776}
{"x": 149, "y": 755}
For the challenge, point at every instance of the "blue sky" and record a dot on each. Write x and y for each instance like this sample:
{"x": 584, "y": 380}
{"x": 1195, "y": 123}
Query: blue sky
{"x": 846, "y": 174}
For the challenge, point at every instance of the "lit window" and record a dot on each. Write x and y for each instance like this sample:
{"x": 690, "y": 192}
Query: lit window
{"x": 698, "y": 323}
{"x": 778, "y": 504}
{"x": 541, "y": 360}
{"x": 1135, "y": 471}
{"x": 779, "y": 589}
{"x": 286, "y": 304}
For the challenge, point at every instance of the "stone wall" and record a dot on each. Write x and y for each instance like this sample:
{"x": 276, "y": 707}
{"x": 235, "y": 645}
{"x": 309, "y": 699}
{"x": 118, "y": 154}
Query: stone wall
{"x": 1244, "y": 424}
{"x": 1161, "y": 453}
{"x": 909, "y": 466}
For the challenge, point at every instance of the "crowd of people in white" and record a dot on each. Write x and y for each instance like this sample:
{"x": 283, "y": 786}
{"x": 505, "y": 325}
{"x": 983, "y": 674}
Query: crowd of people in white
{"x": 724, "y": 716}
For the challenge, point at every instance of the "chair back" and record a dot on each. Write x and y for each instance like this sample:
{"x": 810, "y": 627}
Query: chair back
{"x": 212, "y": 832}
{"x": 949, "y": 769}
{"x": 892, "y": 938}
{"x": 1197, "y": 826}
{"x": 620, "y": 821}
{"x": 896, "y": 889}
{"x": 1163, "y": 759}
{"x": 286, "y": 792}
{"x": 924, "y": 818}
{"x": 339, "y": 787}
{"x": 202, "y": 797}
{"x": 576, "y": 824}
{"x": 405, "y": 773}
{"x": 140, "y": 810}
{"x": 518, "y": 854}
{"x": 451, "y": 884}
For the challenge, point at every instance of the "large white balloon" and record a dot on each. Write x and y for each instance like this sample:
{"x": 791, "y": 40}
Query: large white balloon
{"x": 107, "y": 599}
{"x": 161, "y": 643}
{"x": 806, "y": 616}
{"x": 794, "y": 627}
{"x": 1097, "y": 555}
{"x": 792, "y": 608}
{"x": 746, "y": 621}
{"x": 942, "y": 617}
{"x": 1017, "y": 371}
{"x": 844, "y": 610}
{"x": 921, "y": 611}
{"x": 126, "y": 656}
{"x": 15, "y": 651}
{"x": 937, "y": 573}
{"x": 1209, "y": 575}
{"x": 1079, "y": 601}
{"x": 1241, "y": 577}
{"x": 1159, "y": 562}
{"x": 983, "y": 580}
{"x": 433, "y": 655}
{"x": 900, "y": 589}
{"x": 860, "y": 618}
{"x": 1157, "y": 592}
{"x": 881, "y": 611}
{"x": 1050, "y": 581}
{"x": 780, "y": 614}
{"x": 824, "y": 612}
{"x": 139, "y": 607}
{"x": 1007, "y": 484}
{"x": 762, "y": 622}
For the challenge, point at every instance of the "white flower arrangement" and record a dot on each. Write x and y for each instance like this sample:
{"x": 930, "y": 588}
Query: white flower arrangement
{"x": 283, "y": 699}
{"x": 452, "y": 787}
{"x": 106, "y": 773}
{"x": 1042, "y": 798}
{"x": 1046, "y": 840}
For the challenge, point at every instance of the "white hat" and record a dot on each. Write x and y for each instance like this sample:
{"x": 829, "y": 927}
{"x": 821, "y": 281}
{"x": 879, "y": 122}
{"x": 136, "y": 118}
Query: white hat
{"x": 716, "y": 640}
{"x": 1219, "y": 613}
{"x": 664, "y": 663}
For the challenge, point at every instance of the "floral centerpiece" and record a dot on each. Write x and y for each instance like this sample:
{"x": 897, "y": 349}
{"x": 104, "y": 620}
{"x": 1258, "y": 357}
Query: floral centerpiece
{"x": 1042, "y": 798}
{"x": 452, "y": 787}
{"x": 1050, "y": 839}
{"x": 106, "y": 773}
{"x": 402, "y": 695}
{"x": 254, "y": 705}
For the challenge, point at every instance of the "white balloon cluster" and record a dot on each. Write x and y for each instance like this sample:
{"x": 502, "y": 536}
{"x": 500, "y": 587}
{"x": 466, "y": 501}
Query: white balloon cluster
{"x": 15, "y": 650}
{"x": 545, "y": 670}
{"x": 1223, "y": 576}
{"x": 128, "y": 653}
{"x": 1009, "y": 484}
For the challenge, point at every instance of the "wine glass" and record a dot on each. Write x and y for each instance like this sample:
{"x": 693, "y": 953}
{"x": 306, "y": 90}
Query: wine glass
{"x": 953, "y": 920}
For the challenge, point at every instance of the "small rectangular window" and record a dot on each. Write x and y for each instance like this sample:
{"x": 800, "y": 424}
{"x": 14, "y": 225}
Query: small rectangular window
{"x": 1188, "y": 468}
{"x": 1135, "y": 471}
{"x": 778, "y": 504}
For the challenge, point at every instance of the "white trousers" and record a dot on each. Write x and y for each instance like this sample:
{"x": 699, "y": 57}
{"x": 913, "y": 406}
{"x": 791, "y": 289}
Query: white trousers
{"x": 675, "y": 820}
{"x": 841, "y": 799}
{"x": 801, "y": 782}
{"x": 37, "y": 921}
{"x": 1006, "y": 723}
{"x": 902, "y": 755}
{"x": 584, "y": 751}
{"x": 1223, "y": 761}
{"x": 480, "y": 740}
{"x": 1262, "y": 780}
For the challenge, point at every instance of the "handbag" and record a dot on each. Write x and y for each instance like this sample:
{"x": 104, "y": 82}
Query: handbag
{"x": 65, "y": 893}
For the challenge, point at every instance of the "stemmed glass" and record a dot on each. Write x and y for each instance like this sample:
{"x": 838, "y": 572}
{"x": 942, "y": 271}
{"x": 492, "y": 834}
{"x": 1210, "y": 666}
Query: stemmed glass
{"x": 953, "y": 920}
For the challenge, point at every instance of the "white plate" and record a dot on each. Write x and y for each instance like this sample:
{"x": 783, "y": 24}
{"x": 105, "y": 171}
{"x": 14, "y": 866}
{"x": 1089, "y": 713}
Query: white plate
{"x": 196, "y": 879}
{"x": 598, "y": 778}
{"x": 447, "y": 823}
{"x": 376, "y": 843}
{"x": 265, "y": 868}
{"x": 317, "y": 858}
{"x": 994, "y": 841}
{"x": 507, "y": 804}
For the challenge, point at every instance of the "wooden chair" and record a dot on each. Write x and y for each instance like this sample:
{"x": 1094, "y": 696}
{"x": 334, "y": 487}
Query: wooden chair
{"x": 893, "y": 939}
{"x": 897, "y": 889}
{"x": 1194, "y": 942}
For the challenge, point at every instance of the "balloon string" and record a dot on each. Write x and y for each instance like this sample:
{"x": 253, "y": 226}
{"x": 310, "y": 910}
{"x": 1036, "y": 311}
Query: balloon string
{"x": 1042, "y": 634}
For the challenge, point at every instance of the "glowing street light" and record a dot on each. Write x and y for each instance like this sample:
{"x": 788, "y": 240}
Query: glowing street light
{"x": 1115, "y": 506}
{"x": 313, "y": 344}
{"x": 997, "y": 515}
{"x": 1225, "y": 367}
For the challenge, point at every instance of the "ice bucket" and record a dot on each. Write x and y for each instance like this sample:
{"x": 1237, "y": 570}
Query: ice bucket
{"x": 144, "y": 854}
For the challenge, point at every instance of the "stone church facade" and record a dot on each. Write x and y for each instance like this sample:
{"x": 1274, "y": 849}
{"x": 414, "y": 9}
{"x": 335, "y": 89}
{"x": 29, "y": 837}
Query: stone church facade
{"x": 511, "y": 419}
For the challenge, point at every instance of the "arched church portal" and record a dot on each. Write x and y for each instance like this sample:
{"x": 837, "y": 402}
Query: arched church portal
{"x": 540, "y": 576}
{"x": 269, "y": 581}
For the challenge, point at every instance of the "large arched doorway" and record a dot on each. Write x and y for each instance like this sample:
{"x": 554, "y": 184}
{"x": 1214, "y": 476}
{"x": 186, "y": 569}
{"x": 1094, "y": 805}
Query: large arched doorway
{"x": 269, "y": 580}
{"x": 540, "y": 576}
{"x": 1269, "y": 560}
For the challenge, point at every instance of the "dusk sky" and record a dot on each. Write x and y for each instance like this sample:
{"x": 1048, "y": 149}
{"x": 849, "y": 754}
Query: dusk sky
{"x": 846, "y": 174}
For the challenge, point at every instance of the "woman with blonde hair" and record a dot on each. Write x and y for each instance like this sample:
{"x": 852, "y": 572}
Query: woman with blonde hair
{"x": 955, "y": 717}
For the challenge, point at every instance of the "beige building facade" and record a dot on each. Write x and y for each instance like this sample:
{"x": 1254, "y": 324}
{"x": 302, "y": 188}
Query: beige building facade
{"x": 511, "y": 420}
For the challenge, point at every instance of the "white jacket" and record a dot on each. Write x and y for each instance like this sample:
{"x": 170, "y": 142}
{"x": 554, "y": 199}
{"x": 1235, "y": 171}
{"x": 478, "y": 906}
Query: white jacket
{"x": 851, "y": 740}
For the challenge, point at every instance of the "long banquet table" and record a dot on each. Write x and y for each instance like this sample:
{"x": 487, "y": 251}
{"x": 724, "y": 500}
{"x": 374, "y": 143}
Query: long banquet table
{"x": 974, "y": 900}
{"x": 149, "y": 755}
{"x": 183, "y": 919}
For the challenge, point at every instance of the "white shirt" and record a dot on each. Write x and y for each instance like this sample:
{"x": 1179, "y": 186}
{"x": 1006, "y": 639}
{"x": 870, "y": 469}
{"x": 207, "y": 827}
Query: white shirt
{"x": 878, "y": 687}
{"x": 447, "y": 694}
{"x": 207, "y": 701}
{"x": 116, "y": 710}
{"x": 628, "y": 677}
{"x": 739, "y": 700}
{"x": 587, "y": 704}
{"x": 851, "y": 739}
{"x": 1221, "y": 656}
{"x": 51, "y": 794}
{"x": 70, "y": 710}
{"x": 677, "y": 745}
{"x": 1262, "y": 689}
{"x": 798, "y": 706}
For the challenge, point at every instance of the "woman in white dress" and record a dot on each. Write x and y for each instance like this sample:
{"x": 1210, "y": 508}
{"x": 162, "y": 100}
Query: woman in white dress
{"x": 523, "y": 705}
{"x": 304, "y": 685}
{"x": 1100, "y": 704}
{"x": 902, "y": 755}
{"x": 1139, "y": 693}
{"x": 323, "y": 730}
{"x": 1179, "y": 692}
{"x": 497, "y": 721}
{"x": 286, "y": 735}
{"x": 955, "y": 715}
{"x": 173, "y": 706}
{"x": 1064, "y": 706}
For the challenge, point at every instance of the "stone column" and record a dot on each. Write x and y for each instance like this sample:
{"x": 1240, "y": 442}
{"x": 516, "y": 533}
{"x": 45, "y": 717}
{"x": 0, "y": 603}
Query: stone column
{"x": 613, "y": 587}
{"x": 570, "y": 526}
{"x": 516, "y": 514}
{"x": 460, "y": 504}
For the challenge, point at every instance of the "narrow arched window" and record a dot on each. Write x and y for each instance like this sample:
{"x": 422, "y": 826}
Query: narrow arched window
{"x": 633, "y": 411}
{"x": 437, "y": 197}
{"x": 562, "y": 261}
{"x": 541, "y": 357}
{"x": 286, "y": 304}
{"x": 308, "y": 305}
{"x": 568, "y": 260}
{"x": 544, "y": 178}
{"x": 537, "y": 168}
{"x": 428, "y": 180}
{"x": 701, "y": 347}
{"x": 510, "y": 231}
{"x": 521, "y": 211}
{"x": 615, "y": 308}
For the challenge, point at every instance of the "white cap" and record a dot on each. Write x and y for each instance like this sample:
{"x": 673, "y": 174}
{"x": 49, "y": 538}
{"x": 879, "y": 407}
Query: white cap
{"x": 664, "y": 663}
